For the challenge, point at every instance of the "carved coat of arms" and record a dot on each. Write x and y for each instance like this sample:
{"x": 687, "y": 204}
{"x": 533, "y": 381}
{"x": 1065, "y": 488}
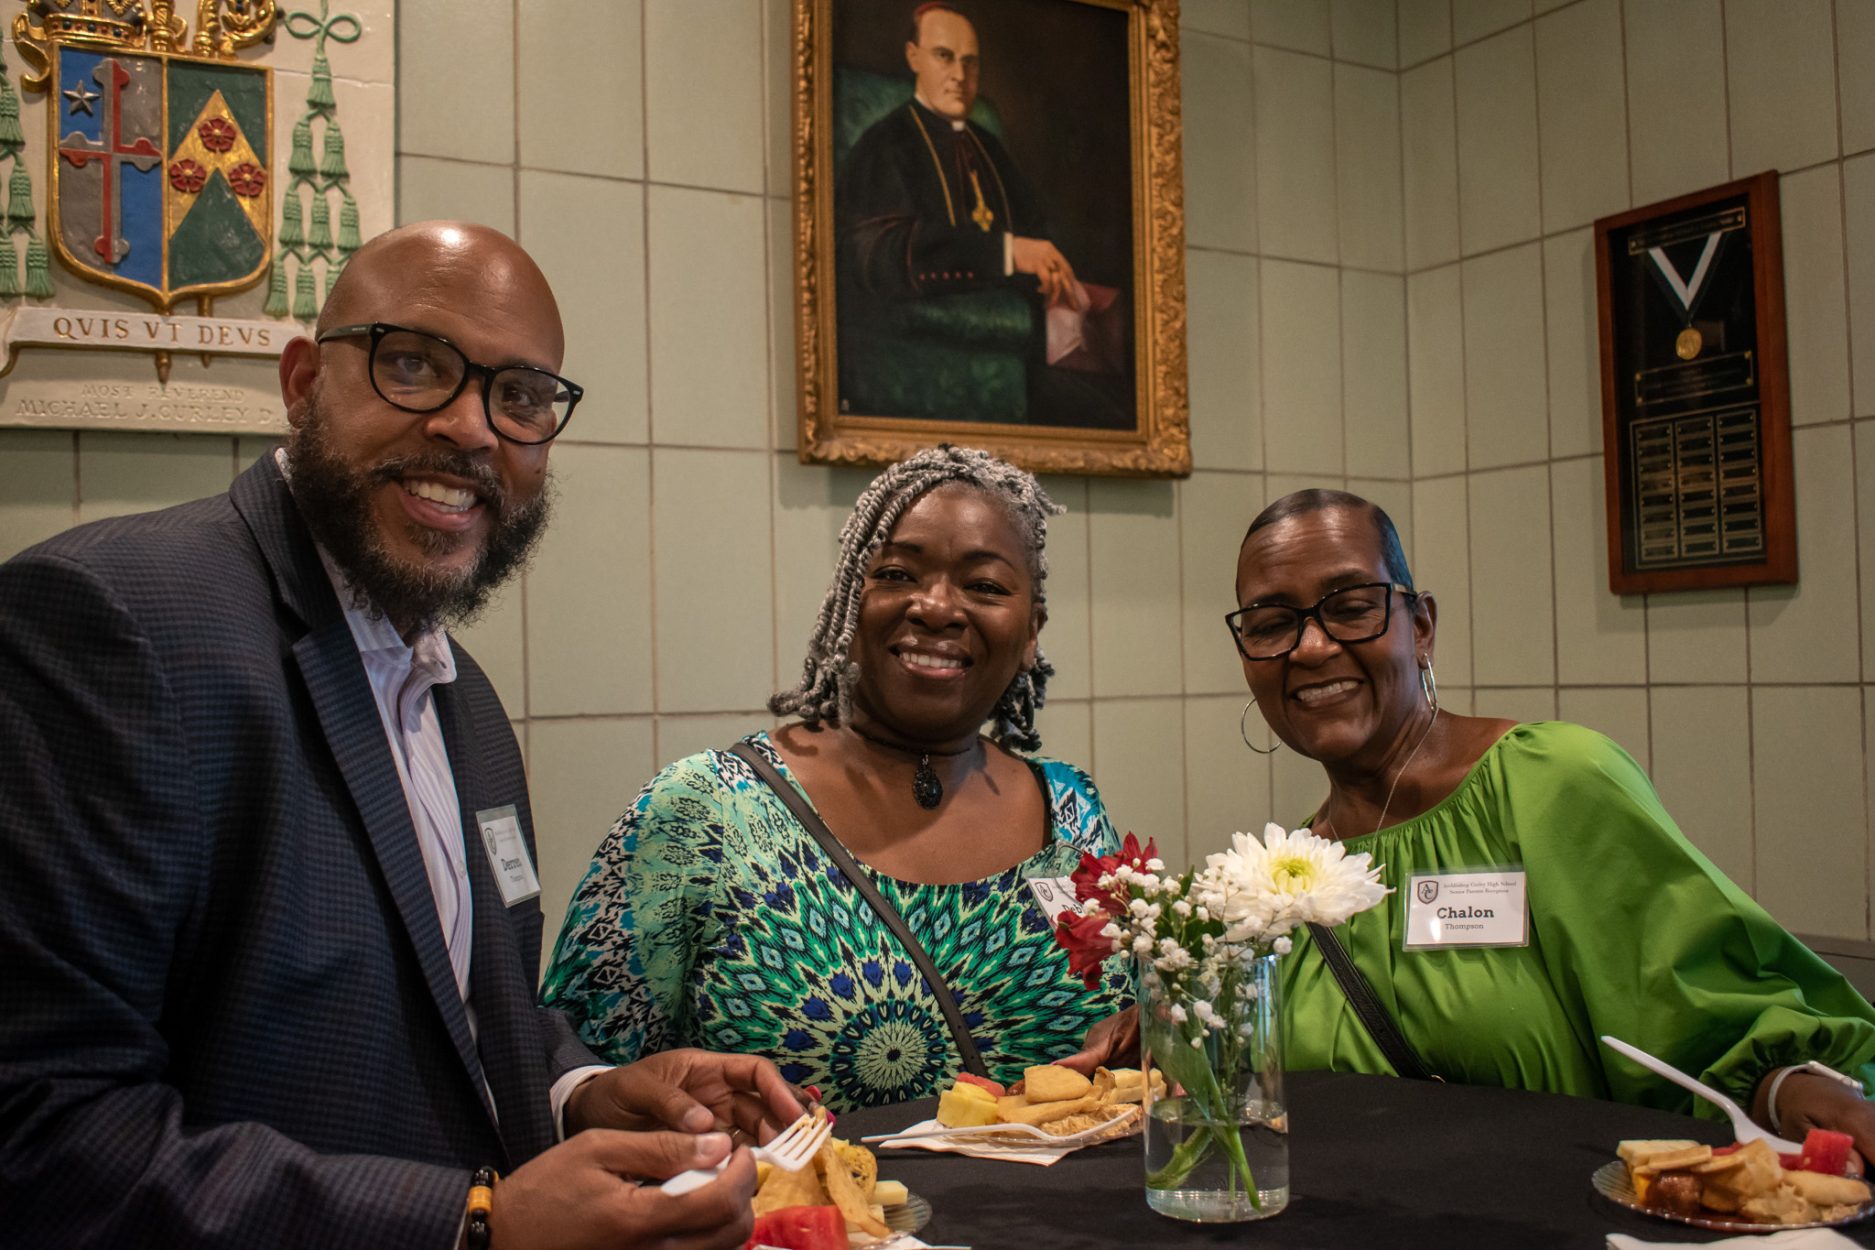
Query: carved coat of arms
{"x": 161, "y": 152}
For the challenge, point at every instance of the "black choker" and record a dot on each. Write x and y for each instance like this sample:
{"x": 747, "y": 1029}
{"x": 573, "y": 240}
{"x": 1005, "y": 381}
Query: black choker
{"x": 925, "y": 786}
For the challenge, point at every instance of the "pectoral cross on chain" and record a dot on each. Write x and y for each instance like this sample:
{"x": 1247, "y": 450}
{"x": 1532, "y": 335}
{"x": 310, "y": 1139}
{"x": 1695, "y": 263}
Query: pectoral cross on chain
{"x": 981, "y": 214}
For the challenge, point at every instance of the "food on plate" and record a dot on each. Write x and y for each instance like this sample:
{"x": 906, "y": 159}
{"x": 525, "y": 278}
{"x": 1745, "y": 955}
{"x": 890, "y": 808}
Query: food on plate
{"x": 1748, "y": 1182}
{"x": 843, "y": 1176}
{"x": 800, "y": 1228}
{"x": 982, "y": 1082}
{"x": 1060, "y": 1105}
{"x": 1050, "y": 1082}
{"x": 966, "y": 1106}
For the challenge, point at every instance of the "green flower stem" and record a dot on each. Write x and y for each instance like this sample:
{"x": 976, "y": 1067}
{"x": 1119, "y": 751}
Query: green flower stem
{"x": 1192, "y": 1068}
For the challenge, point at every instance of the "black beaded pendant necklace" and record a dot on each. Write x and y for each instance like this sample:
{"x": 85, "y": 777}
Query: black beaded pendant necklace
{"x": 925, "y": 785}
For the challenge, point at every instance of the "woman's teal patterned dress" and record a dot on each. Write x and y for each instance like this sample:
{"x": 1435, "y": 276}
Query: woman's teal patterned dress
{"x": 710, "y": 918}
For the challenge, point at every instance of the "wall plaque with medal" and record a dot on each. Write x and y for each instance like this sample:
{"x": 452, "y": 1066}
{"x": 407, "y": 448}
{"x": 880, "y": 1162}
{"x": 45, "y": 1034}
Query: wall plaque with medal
{"x": 1695, "y": 392}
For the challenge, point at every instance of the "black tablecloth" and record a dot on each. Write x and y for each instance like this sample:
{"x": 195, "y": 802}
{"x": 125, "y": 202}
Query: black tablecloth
{"x": 1374, "y": 1161}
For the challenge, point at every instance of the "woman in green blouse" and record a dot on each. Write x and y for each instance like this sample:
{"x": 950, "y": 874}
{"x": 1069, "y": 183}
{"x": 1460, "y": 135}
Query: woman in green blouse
{"x": 1623, "y": 928}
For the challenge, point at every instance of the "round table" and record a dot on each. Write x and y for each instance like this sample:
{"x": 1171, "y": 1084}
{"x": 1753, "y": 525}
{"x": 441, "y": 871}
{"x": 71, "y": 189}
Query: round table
{"x": 1374, "y": 1161}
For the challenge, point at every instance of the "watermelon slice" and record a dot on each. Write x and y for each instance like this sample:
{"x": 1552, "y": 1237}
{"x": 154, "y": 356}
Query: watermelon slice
{"x": 984, "y": 1081}
{"x": 801, "y": 1228}
{"x": 1826, "y": 1152}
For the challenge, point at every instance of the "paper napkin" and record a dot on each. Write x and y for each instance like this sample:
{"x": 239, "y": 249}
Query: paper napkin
{"x": 1794, "y": 1239}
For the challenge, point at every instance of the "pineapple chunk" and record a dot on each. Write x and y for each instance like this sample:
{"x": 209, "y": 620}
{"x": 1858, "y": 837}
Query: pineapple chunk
{"x": 958, "y": 1109}
{"x": 891, "y": 1194}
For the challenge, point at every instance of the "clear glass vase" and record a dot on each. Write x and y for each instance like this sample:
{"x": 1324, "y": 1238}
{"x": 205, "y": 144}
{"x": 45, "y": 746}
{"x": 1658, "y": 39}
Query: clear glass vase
{"x": 1217, "y": 1136}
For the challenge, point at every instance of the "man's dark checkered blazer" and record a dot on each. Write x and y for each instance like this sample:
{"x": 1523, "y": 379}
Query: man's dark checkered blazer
{"x": 227, "y": 1018}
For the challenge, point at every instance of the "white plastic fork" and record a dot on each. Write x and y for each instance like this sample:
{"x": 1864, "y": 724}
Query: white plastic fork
{"x": 998, "y": 1130}
{"x": 1744, "y": 1129}
{"x": 792, "y": 1149}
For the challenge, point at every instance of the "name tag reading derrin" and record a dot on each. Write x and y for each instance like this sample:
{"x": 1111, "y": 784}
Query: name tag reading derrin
{"x": 1466, "y": 909}
{"x": 507, "y": 854}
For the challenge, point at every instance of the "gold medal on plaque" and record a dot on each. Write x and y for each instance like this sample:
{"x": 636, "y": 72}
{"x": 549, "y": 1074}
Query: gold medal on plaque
{"x": 1687, "y": 345}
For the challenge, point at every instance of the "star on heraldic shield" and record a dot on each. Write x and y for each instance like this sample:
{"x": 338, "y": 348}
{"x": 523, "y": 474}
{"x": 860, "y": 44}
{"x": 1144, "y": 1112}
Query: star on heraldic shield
{"x": 161, "y": 175}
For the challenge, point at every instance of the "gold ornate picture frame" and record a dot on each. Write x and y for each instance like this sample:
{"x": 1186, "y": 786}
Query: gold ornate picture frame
{"x": 1002, "y": 266}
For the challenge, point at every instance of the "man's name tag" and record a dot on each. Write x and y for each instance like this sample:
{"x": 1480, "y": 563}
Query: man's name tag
{"x": 1053, "y": 895}
{"x": 507, "y": 854}
{"x": 1466, "y": 909}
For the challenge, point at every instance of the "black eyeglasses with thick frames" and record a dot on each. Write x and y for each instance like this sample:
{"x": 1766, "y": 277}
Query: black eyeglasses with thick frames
{"x": 421, "y": 372}
{"x": 1269, "y": 631}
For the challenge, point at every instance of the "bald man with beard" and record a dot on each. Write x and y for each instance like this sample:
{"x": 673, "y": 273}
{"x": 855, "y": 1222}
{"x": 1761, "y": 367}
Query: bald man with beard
{"x": 269, "y": 921}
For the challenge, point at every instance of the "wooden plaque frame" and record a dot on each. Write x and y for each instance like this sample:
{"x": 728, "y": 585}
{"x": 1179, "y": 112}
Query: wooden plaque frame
{"x": 1696, "y": 410}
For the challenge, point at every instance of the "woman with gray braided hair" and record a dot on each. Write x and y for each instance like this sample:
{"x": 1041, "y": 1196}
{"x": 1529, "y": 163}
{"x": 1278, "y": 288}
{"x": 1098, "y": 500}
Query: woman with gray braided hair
{"x": 716, "y": 914}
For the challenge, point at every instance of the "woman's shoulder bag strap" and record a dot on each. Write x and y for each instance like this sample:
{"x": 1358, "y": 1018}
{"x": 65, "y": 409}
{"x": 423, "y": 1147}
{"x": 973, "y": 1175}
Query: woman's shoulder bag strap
{"x": 843, "y": 860}
{"x": 1360, "y": 994}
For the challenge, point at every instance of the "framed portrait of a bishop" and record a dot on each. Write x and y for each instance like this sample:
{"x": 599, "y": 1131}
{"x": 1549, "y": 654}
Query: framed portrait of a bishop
{"x": 989, "y": 233}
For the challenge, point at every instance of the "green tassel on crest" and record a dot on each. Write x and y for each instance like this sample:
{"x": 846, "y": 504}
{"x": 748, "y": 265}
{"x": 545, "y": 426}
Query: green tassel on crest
{"x": 20, "y": 195}
{"x": 276, "y": 291}
{"x": 38, "y": 266}
{"x": 333, "y": 164}
{"x": 333, "y": 268}
{"x": 349, "y": 241}
{"x": 301, "y": 162}
{"x": 11, "y": 138}
{"x": 305, "y": 305}
{"x": 291, "y": 233}
{"x": 319, "y": 238}
{"x": 9, "y": 270}
{"x": 319, "y": 96}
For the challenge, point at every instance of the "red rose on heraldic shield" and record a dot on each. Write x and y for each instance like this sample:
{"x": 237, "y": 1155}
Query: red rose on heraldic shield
{"x": 247, "y": 179}
{"x": 187, "y": 176}
{"x": 217, "y": 134}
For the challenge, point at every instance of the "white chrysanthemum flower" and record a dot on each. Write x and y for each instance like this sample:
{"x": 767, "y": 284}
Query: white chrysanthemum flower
{"x": 1289, "y": 879}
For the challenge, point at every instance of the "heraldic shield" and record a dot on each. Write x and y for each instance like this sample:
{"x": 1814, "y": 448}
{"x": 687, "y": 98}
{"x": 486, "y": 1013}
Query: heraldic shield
{"x": 161, "y": 181}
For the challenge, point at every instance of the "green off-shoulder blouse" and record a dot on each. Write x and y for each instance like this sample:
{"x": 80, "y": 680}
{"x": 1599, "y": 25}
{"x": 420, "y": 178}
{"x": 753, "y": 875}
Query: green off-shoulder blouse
{"x": 1632, "y": 932}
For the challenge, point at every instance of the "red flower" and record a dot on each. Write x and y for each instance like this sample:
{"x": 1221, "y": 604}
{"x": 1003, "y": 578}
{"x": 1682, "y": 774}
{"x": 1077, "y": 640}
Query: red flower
{"x": 1080, "y": 936}
{"x": 1086, "y": 878}
{"x": 187, "y": 176}
{"x": 217, "y": 134}
{"x": 247, "y": 179}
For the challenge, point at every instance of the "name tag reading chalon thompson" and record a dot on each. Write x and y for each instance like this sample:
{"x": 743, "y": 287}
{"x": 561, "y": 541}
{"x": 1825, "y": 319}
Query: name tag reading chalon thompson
{"x": 1466, "y": 909}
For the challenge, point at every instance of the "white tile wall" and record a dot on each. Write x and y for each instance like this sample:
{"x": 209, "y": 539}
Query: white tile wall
{"x": 1702, "y": 768}
{"x": 1498, "y": 187}
{"x": 1365, "y": 32}
{"x": 1221, "y": 358}
{"x": 1425, "y": 30}
{"x": 1676, "y": 97}
{"x": 1295, "y": 150}
{"x": 1220, "y": 143}
{"x": 1815, "y": 303}
{"x": 1429, "y": 141}
{"x": 1367, "y": 168}
{"x": 1506, "y": 407}
{"x": 1298, "y": 24}
{"x": 1582, "y": 127}
{"x": 1301, "y": 323}
{"x": 1435, "y": 338}
{"x": 1780, "y": 74}
{"x": 1373, "y": 367}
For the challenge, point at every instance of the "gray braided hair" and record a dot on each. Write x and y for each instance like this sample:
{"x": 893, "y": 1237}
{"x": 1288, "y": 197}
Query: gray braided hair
{"x": 829, "y": 673}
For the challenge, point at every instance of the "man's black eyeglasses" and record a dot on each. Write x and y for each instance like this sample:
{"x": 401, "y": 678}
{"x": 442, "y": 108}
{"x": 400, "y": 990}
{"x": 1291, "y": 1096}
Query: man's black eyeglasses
{"x": 1269, "y": 631}
{"x": 420, "y": 372}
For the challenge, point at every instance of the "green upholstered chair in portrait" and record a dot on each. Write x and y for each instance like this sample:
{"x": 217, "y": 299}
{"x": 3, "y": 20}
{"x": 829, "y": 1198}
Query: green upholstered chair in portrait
{"x": 962, "y": 357}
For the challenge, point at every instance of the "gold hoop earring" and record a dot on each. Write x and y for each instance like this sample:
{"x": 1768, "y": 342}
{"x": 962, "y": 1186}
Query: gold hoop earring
{"x": 1428, "y": 684}
{"x": 1243, "y": 731}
